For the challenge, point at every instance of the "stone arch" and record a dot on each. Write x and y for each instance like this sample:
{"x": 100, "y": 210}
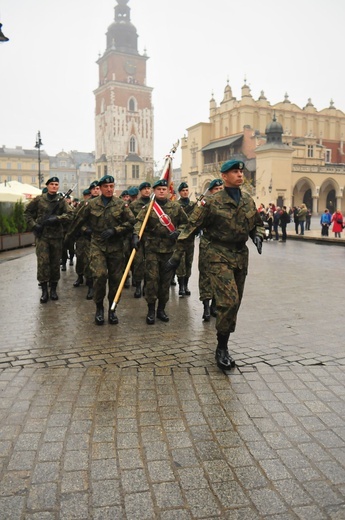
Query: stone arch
{"x": 329, "y": 190}
{"x": 304, "y": 189}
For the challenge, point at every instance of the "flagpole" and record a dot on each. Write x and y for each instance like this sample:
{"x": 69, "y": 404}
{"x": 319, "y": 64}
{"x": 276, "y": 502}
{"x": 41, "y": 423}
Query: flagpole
{"x": 142, "y": 229}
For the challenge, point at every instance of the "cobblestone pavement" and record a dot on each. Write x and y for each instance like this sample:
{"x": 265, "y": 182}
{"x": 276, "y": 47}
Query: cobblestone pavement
{"x": 136, "y": 422}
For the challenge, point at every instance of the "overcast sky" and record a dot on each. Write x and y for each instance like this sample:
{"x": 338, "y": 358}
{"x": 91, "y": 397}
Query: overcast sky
{"x": 48, "y": 69}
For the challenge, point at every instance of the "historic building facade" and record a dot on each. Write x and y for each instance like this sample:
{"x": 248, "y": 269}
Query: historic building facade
{"x": 292, "y": 155}
{"x": 124, "y": 111}
{"x": 19, "y": 164}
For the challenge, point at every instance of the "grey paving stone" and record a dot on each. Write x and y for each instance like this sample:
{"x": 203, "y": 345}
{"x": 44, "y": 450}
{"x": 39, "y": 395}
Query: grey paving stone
{"x": 139, "y": 505}
{"x": 43, "y": 497}
{"x": 74, "y": 506}
{"x": 105, "y": 493}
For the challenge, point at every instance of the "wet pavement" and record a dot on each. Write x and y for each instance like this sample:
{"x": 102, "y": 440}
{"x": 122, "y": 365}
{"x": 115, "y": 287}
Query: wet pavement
{"x": 136, "y": 422}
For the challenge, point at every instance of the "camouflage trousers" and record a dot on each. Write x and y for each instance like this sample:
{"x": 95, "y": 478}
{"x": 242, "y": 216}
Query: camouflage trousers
{"x": 138, "y": 266}
{"x": 157, "y": 280}
{"x": 105, "y": 267}
{"x": 185, "y": 266}
{"x": 205, "y": 288}
{"x": 227, "y": 281}
{"x": 83, "y": 257}
{"x": 48, "y": 252}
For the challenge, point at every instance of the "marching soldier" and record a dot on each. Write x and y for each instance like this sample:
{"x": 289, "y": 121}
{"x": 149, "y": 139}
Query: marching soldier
{"x": 205, "y": 289}
{"x": 184, "y": 270}
{"x": 45, "y": 215}
{"x": 81, "y": 245}
{"x": 138, "y": 267}
{"x": 228, "y": 219}
{"x": 161, "y": 231}
{"x": 109, "y": 219}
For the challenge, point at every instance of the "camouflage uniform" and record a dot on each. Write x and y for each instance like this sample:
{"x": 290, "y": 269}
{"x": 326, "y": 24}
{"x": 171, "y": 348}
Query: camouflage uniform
{"x": 49, "y": 242}
{"x": 158, "y": 249}
{"x": 106, "y": 256}
{"x": 185, "y": 268}
{"x": 227, "y": 226}
{"x": 138, "y": 268}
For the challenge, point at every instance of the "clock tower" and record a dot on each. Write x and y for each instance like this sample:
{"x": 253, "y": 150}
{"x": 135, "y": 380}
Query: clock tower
{"x": 124, "y": 112}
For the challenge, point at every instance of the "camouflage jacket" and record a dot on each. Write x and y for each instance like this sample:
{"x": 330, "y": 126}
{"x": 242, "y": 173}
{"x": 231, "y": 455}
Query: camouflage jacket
{"x": 137, "y": 205}
{"x": 226, "y": 225}
{"x": 98, "y": 217}
{"x": 41, "y": 207}
{"x": 156, "y": 235}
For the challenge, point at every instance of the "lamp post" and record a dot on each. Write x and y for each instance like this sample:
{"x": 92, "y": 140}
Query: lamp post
{"x": 38, "y": 146}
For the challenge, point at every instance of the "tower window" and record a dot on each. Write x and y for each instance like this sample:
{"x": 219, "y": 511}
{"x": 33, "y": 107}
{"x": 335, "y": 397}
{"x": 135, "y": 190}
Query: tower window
{"x": 328, "y": 155}
{"x": 310, "y": 150}
{"x": 132, "y": 105}
{"x": 132, "y": 145}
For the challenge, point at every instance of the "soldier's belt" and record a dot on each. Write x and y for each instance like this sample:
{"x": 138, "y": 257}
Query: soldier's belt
{"x": 230, "y": 246}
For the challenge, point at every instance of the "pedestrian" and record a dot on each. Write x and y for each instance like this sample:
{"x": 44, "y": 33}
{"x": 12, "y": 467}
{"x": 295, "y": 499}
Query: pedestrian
{"x": 269, "y": 220}
{"x": 284, "y": 220}
{"x": 228, "y": 218}
{"x": 325, "y": 222}
{"x": 138, "y": 266}
{"x": 276, "y": 219}
{"x": 46, "y": 215}
{"x": 205, "y": 288}
{"x": 338, "y": 223}
{"x": 184, "y": 270}
{"x": 308, "y": 219}
{"x": 109, "y": 219}
{"x": 295, "y": 211}
{"x": 302, "y": 217}
{"x": 162, "y": 229}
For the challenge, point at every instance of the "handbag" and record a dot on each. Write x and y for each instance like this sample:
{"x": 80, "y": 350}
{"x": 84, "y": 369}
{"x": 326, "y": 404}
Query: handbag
{"x": 340, "y": 221}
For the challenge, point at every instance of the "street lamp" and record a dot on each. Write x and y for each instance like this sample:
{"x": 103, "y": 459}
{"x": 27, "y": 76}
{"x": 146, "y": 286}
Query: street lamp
{"x": 38, "y": 146}
{"x": 3, "y": 38}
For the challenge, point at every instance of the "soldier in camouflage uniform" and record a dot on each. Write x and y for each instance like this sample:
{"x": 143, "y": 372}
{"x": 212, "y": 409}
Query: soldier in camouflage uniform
{"x": 184, "y": 270}
{"x": 45, "y": 215}
{"x": 205, "y": 288}
{"x": 138, "y": 267}
{"x": 159, "y": 245}
{"x": 81, "y": 243}
{"x": 228, "y": 218}
{"x": 110, "y": 219}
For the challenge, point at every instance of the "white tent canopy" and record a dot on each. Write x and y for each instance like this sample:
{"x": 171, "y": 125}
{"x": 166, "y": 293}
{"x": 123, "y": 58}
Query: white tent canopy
{"x": 26, "y": 191}
{"x": 8, "y": 194}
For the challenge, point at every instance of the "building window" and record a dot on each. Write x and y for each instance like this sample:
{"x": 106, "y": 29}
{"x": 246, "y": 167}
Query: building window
{"x": 20, "y": 178}
{"x": 135, "y": 171}
{"x": 9, "y": 178}
{"x": 131, "y": 105}
{"x": 33, "y": 166}
{"x": 328, "y": 155}
{"x": 105, "y": 169}
{"x": 310, "y": 150}
{"x": 194, "y": 182}
{"x": 9, "y": 165}
{"x": 19, "y": 166}
{"x": 132, "y": 145}
{"x": 33, "y": 180}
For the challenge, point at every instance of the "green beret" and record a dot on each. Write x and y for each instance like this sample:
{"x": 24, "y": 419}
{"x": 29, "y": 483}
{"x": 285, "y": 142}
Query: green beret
{"x": 182, "y": 186}
{"x": 107, "y": 179}
{"x": 93, "y": 184}
{"x": 132, "y": 192}
{"x": 144, "y": 185}
{"x": 52, "y": 179}
{"x": 44, "y": 190}
{"x": 87, "y": 192}
{"x": 125, "y": 192}
{"x": 160, "y": 182}
{"x": 234, "y": 164}
{"x": 214, "y": 183}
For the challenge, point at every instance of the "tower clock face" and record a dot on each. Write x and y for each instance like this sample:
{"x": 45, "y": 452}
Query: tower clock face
{"x": 130, "y": 67}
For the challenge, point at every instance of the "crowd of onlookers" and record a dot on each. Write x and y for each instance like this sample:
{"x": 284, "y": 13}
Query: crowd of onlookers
{"x": 276, "y": 219}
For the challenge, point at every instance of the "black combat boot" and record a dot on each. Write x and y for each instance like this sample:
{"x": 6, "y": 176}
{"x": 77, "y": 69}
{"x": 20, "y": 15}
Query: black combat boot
{"x": 182, "y": 289}
{"x": 161, "y": 314}
{"x": 63, "y": 267}
{"x": 223, "y": 358}
{"x": 206, "y": 316}
{"x": 112, "y": 318}
{"x": 187, "y": 291}
{"x": 71, "y": 260}
{"x": 213, "y": 308}
{"x": 44, "y": 297}
{"x": 137, "y": 293}
{"x": 53, "y": 294}
{"x": 89, "y": 283}
{"x": 173, "y": 281}
{"x": 150, "y": 318}
{"x": 79, "y": 281}
{"x": 99, "y": 317}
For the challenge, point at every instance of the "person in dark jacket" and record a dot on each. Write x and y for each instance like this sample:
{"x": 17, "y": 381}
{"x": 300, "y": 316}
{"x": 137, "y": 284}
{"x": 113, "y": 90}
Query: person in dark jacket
{"x": 283, "y": 222}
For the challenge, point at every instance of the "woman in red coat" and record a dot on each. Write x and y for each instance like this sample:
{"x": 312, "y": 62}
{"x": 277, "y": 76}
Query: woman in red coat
{"x": 337, "y": 219}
